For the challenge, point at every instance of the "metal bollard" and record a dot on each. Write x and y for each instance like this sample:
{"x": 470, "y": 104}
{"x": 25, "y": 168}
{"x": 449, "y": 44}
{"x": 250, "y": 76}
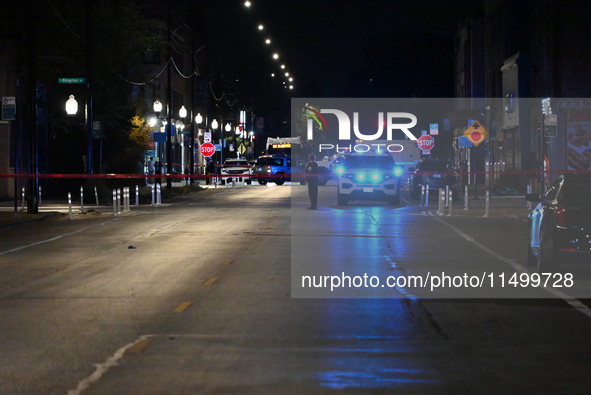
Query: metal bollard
{"x": 82, "y": 198}
{"x": 158, "y": 194}
{"x": 96, "y": 196}
{"x": 465, "y": 197}
{"x": 70, "y": 204}
{"x": 427, "y": 195}
{"x": 118, "y": 200}
{"x": 486, "y": 203}
{"x": 114, "y": 202}
{"x": 40, "y": 200}
{"x": 441, "y": 203}
{"x": 422, "y": 195}
{"x": 446, "y": 195}
{"x": 23, "y": 193}
{"x": 527, "y": 191}
{"x": 137, "y": 195}
{"x": 450, "y": 200}
{"x": 153, "y": 201}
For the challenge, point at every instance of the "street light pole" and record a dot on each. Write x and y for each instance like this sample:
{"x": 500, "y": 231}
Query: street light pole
{"x": 181, "y": 127}
{"x": 197, "y": 121}
{"x": 31, "y": 126}
{"x": 89, "y": 81}
{"x": 168, "y": 104}
{"x": 214, "y": 126}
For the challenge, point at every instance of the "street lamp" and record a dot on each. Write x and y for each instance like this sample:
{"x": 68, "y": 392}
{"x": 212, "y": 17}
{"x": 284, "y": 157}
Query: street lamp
{"x": 167, "y": 123}
{"x": 198, "y": 120}
{"x": 181, "y": 126}
{"x": 157, "y": 107}
{"x": 71, "y": 106}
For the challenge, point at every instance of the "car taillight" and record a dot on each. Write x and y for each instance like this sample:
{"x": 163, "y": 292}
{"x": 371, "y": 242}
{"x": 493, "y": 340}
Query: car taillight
{"x": 560, "y": 217}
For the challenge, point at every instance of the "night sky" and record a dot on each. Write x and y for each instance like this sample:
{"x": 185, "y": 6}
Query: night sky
{"x": 367, "y": 48}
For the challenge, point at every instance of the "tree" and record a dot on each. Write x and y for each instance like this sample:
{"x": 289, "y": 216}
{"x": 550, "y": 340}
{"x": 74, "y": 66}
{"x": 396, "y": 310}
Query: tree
{"x": 120, "y": 35}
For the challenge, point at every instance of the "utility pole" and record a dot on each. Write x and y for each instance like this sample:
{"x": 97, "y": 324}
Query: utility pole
{"x": 31, "y": 123}
{"x": 168, "y": 127}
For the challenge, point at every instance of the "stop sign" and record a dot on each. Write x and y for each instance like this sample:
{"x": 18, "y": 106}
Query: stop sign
{"x": 475, "y": 136}
{"x": 426, "y": 143}
{"x": 207, "y": 149}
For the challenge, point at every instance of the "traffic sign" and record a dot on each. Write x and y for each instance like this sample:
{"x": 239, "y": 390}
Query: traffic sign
{"x": 71, "y": 80}
{"x": 426, "y": 143}
{"x": 242, "y": 149}
{"x": 8, "y": 108}
{"x": 434, "y": 129}
{"x": 476, "y": 133}
{"x": 550, "y": 123}
{"x": 207, "y": 149}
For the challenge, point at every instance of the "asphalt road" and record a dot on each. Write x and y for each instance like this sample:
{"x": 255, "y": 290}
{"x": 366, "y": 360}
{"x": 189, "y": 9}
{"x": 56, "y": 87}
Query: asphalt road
{"x": 205, "y": 296}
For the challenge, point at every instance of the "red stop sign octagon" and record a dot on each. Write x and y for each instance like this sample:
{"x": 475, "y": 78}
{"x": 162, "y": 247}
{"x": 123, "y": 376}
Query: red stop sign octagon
{"x": 426, "y": 142}
{"x": 207, "y": 149}
{"x": 475, "y": 136}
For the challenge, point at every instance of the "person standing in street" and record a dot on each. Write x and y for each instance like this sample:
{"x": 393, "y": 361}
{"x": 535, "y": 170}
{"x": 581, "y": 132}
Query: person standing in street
{"x": 158, "y": 170}
{"x": 150, "y": 169}
{"x": 312, "y": 181}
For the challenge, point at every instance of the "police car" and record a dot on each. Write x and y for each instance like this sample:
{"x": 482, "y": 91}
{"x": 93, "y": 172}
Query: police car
{"x": 370, "y": 175}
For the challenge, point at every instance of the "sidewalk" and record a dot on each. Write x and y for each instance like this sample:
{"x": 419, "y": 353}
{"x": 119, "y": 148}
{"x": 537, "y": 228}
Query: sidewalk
{"x": 54, "y": 209}
{"x": 499, "y": 206}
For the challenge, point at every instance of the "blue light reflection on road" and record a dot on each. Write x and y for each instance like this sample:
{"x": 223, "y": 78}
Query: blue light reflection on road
{"x": 373, "y": 343}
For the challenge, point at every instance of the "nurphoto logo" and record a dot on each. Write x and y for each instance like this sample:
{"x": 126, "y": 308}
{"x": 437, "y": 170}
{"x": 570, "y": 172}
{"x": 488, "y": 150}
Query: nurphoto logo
{"x": 392, "y": 123}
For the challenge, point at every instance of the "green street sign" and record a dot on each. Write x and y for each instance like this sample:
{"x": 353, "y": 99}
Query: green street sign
{"x": 8, "y": 108}
{"x": 550, "y": 123}
{"x": 71, "y": 80}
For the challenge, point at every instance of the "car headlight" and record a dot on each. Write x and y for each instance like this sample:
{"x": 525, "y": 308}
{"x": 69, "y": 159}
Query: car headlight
{"x": 339, "y": 170}
{"x": 398, "y": 170}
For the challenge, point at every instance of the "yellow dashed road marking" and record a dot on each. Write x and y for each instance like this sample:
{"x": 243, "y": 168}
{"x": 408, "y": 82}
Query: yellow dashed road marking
{"x": 182, "y": 307}
{"x": 210, "y": 281}
{"x": 139, "y": 346}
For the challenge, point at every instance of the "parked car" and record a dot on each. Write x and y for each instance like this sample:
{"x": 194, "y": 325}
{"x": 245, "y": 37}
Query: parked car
{"x": 239, "y": 169}
{"x": 278, "y": 169}
{"x": 559, "y": 226}
{"x": 436, "y": 173}
{"x": 368, "y": 176}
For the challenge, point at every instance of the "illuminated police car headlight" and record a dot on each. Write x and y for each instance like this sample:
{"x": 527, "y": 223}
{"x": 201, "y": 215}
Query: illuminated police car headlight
{"x": 360, "y": 177}
{"x": 339, "y": 170}
{"x": 398, "y": 171}
{"x": 375, "y": 177}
